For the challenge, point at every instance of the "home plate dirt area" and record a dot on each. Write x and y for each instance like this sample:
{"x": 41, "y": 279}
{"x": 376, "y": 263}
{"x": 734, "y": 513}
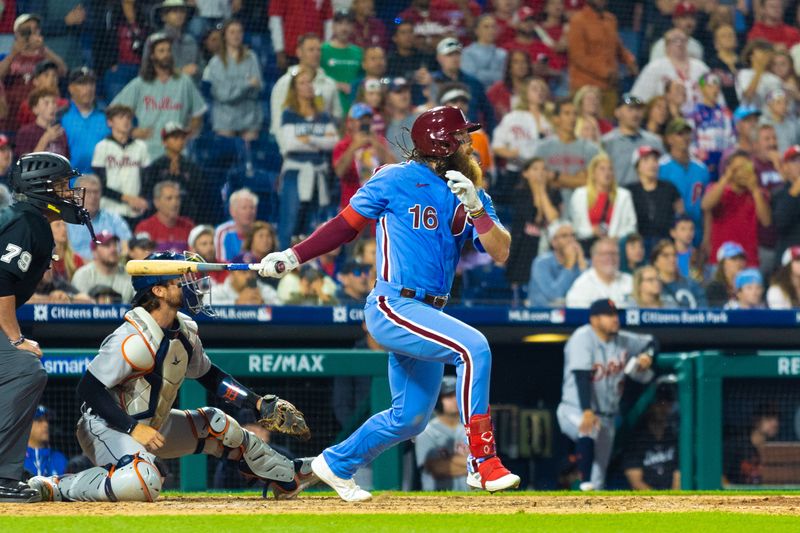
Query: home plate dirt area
{"x": 450, "y": 503}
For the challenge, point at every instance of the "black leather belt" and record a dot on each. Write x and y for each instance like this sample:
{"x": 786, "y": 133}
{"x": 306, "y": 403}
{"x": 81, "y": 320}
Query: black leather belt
{"x": 436, "y": 301}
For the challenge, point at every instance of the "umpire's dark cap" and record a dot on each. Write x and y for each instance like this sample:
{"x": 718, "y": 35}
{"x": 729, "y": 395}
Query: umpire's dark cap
{"x": 602, "y": 307}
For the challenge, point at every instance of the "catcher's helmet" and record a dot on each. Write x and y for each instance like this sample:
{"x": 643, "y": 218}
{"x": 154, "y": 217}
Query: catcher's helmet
{"x": 44, "y": 178}
{"x": 194, "y": 287}
{"x": 433, "y": 131}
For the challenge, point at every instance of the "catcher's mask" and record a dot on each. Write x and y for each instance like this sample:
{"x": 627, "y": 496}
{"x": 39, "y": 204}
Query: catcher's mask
{"x": 196, "y": 288}
{"x": 44, "y": 179}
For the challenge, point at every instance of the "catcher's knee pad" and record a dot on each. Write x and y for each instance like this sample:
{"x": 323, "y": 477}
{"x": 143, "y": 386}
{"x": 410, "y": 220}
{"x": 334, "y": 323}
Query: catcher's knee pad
{"x": 218, "y": 425}
{"x": 260, "y": 460}
{"x": 134, "y": 479}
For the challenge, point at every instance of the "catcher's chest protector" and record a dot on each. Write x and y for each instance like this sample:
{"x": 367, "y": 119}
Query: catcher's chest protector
{"x": 160, "y": 364}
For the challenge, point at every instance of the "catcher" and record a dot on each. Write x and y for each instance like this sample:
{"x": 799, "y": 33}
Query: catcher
{"x": 128, "y": 391}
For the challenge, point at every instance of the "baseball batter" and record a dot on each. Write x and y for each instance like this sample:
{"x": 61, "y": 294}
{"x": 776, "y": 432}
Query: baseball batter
{"x": 426, "y": 209}
{"x": 128, "y": 391}
{"x": 597, "y": 359}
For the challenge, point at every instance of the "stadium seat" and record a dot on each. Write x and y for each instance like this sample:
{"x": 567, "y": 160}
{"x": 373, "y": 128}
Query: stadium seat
{"x": 262, "y": 183}
{"x": 486, "y": 284}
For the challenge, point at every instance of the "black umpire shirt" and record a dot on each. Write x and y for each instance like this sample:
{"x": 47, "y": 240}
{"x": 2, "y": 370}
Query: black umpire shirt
{"x": 26, "y": 248}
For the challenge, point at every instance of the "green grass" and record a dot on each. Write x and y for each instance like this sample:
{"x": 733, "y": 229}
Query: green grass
{"x": 377, "y": 523}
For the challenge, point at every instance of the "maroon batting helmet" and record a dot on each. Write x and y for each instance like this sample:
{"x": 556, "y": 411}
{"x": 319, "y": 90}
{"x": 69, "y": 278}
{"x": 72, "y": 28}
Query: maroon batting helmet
{"x": 433, "y": 131}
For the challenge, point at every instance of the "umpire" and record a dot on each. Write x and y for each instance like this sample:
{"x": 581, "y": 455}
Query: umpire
{"x": 41, "y": 184}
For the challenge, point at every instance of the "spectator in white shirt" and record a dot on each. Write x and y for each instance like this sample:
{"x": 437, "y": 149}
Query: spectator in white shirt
{"x": 601, "y": 208}
{"x": 677, "y": 65}
{"x": 517, "y": 135}
{"x": 755, "y": 82}
{"x": 603, "y": 279}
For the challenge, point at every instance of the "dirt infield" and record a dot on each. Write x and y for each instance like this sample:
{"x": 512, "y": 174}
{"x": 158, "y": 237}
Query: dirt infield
{"x": 394, "y": 503}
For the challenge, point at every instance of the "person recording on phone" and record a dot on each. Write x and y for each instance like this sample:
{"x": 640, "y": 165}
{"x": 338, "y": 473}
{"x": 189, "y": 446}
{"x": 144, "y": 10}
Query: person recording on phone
{"x": 359, "y": 153}
{"x": 18, "y": 66}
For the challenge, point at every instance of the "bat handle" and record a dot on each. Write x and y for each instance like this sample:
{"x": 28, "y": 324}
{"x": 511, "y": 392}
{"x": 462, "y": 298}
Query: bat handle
{"x": 280, "y": 267}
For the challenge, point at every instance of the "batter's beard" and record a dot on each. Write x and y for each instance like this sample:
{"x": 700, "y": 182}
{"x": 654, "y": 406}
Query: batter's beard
{"x": 465, "y": 164}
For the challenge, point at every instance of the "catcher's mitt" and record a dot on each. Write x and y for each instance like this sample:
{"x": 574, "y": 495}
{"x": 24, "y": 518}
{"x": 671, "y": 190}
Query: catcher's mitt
{"x": 281, "y": 416}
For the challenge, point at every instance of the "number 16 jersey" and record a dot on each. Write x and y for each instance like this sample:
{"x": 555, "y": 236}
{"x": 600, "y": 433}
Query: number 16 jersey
{"x": 421, "y": 226}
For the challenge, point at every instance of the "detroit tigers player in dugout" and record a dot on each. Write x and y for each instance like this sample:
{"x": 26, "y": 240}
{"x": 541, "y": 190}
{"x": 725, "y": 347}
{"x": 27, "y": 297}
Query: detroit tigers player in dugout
{"x": 597, "y": 359}
{"x": 128, "y": 391}
{"x": 426, "y": 209}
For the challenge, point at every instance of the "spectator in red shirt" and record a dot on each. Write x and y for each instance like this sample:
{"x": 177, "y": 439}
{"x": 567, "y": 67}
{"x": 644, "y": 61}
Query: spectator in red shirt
{"x": 771, "y": 27}
{"x": 45, "y": 75}
{"x": 461, "y": 15}
{"x": 736, "y": 205}
{"x": 119, "y": 31}
{"x": 504, "y": 95}
{"x": 7, "y": 24}
{"x": 430, "y": 25}
{"x": 44, "y": 134}
{"x": 166, "y": 227}
{"x": 528, "y": 40}
{"x": 766, "y": 163}
{"x": 17, "y": 68}
{"x": 504, "y": 14}
{"x": 289, "y": 19}
{"x": 359, "y": 153}
{"x": 368, "y": 30}
{"x": 553, "y": 35}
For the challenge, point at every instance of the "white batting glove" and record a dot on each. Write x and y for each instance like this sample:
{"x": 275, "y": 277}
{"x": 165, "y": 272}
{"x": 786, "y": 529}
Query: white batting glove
{"x": 464, "y": 189}
{"x": 278, "y": 264}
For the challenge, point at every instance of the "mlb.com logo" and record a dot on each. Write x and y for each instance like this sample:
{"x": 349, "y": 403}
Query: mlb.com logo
{"x": 558, "y": 316}
{"x": 632, "y": 317}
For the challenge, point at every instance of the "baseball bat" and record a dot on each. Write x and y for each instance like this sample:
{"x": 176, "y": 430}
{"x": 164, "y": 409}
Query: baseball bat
{"x": 138, "y": 267}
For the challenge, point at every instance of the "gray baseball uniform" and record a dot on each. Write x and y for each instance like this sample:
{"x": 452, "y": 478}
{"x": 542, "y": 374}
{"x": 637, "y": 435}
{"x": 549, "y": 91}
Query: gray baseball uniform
{"x": 609, "y": 363}
{"x": 143, "y": 366}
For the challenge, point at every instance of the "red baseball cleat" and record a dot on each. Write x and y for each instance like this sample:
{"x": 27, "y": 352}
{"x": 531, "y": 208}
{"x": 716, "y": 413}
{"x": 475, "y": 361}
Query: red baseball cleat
{"x": 492, "y": 476}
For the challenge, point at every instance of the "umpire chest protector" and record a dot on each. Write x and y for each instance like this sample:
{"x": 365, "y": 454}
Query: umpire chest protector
{"x": 159, "y": 362}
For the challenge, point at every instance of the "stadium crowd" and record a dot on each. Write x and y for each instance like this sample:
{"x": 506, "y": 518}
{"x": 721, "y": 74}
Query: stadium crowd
{"x": 645, "y": 151}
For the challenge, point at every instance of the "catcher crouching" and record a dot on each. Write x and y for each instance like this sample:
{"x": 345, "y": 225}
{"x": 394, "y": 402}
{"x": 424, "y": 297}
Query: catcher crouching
{"x": 128, "y": 391}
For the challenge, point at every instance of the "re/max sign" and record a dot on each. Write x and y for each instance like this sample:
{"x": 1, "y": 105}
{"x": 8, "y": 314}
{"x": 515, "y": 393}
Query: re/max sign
{"x": 285, "y": 362}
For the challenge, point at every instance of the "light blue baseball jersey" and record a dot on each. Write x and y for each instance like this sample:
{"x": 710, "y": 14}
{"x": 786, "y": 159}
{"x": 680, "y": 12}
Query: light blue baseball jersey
{"x": 421, "y": 225}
